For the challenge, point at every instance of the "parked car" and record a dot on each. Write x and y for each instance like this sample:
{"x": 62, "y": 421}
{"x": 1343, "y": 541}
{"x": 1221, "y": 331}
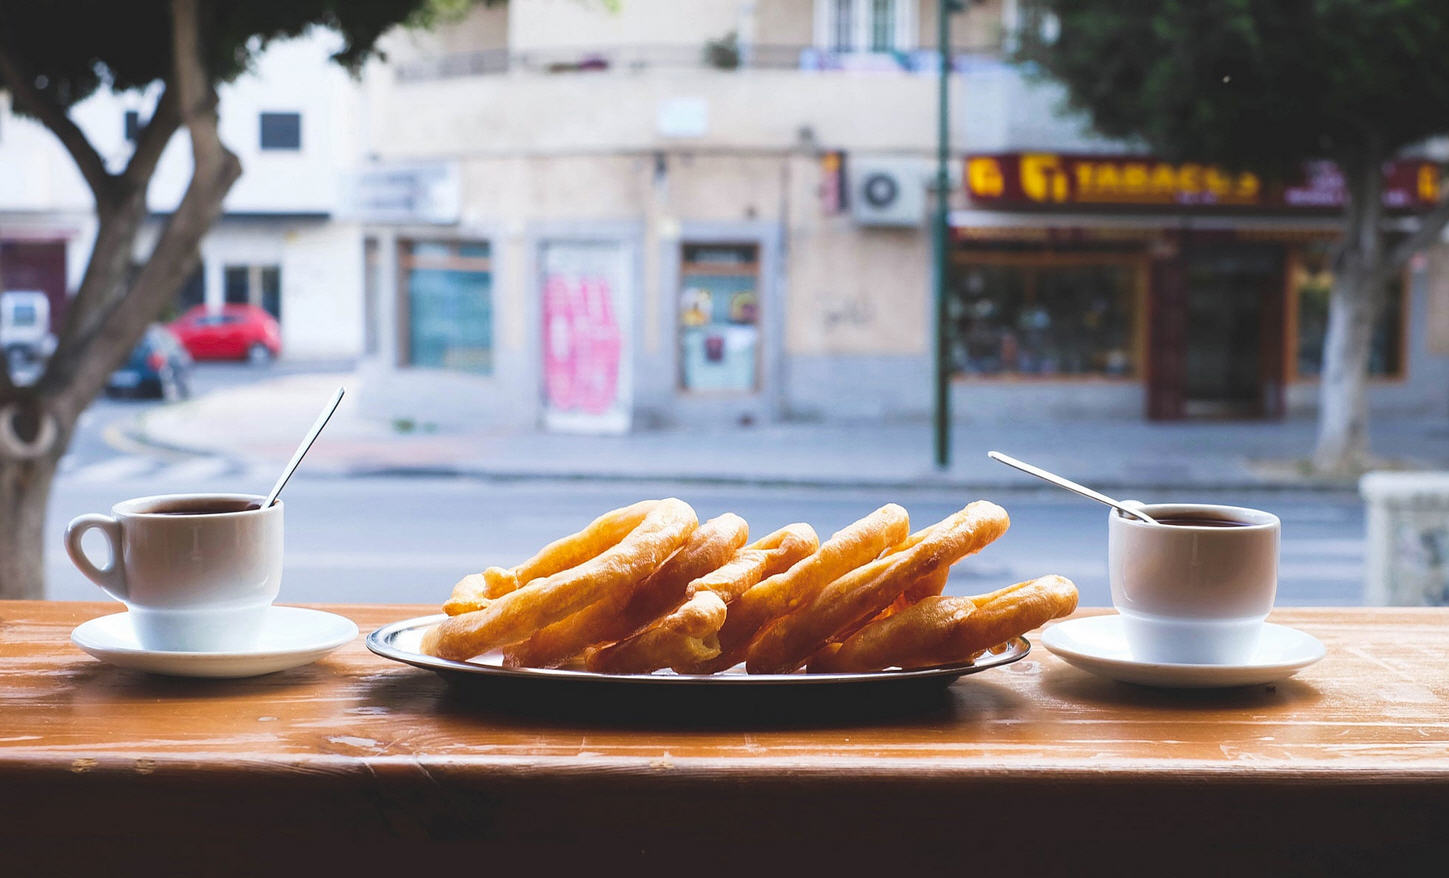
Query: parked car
{"x": 236, "y": 332}
{"x": 25, "y": 334}
{"x": 158, "y": 367}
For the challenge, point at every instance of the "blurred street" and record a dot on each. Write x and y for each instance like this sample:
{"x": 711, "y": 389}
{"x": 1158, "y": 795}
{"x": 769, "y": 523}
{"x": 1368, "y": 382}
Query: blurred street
{"x": 407, "y": 538}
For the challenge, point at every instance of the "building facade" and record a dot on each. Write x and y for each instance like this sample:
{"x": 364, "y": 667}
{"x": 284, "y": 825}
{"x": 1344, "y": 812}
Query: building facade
{"x": 653, "y": 195}
{"x": 1173, "y": 290}
{"x": 580, "y": 218}
{"x": 295, "y": 123}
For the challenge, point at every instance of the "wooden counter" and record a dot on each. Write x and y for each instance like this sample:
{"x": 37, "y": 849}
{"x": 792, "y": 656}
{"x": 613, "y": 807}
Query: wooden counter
{"x": 357, "y": 762}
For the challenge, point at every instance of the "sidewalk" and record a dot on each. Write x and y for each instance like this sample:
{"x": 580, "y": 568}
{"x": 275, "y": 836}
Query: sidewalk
{"x": 263, "y": 422}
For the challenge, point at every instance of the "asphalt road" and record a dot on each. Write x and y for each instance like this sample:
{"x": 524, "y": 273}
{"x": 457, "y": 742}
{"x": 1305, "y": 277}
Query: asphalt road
{"x": 407, "y": 540}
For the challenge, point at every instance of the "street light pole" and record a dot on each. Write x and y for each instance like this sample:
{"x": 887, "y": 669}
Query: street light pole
{"x": 942, "y": 407}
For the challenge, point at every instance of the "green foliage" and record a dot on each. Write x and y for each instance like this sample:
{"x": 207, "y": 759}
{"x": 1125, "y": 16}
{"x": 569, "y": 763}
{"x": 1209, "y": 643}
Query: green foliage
{"x": 74, "y": 47}
{"x": 1252, "y": 83}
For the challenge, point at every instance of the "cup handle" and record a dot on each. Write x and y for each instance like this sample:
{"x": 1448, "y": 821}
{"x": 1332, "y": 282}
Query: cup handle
{"x": 111, "y": 578}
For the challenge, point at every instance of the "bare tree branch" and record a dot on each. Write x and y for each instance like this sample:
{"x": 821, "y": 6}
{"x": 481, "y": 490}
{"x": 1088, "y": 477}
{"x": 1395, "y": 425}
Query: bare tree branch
{"x": 152, "y": 141}
{"x": 106, "y": 278}
{"x": 53, "y": 116}
{"x": 194, "y": 90}
{"x": 105, "y": 283}
{"x": 215, "y": 169}
{"x": 1430, "y": 225}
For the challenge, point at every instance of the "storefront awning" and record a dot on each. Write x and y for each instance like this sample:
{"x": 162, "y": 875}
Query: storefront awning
{"x": 998, "y": 225}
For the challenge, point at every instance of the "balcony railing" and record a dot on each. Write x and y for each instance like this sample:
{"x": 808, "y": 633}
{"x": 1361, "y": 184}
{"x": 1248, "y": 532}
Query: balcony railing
{"x": 720, "y": 55}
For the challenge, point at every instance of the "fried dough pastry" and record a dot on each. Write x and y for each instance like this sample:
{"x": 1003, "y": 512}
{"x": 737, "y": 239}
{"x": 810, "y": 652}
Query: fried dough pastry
{"x": 847, "y": 549}
{"x": 684, "y": 637}
{"x": 791, "y": 640}
{"x": 514, "y": 616}
{"x": 928, "y": 585}
{"x": 474, "y": 591}
{"x": 943, "y": 630}
{"x": 771, "y": 554}
{"x": 684, "y": 640}
{"x": 628, "y": 609}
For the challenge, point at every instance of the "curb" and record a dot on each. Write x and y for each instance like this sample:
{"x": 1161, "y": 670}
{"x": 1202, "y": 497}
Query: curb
{"x": 504, "y": 476}
{"x": 130, "y": 433}
{"x": 133, "y": 434}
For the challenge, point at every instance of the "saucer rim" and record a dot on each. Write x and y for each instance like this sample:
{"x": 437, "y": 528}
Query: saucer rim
{"x": 1314, "y": 652}
{"x": 90, "y": 626}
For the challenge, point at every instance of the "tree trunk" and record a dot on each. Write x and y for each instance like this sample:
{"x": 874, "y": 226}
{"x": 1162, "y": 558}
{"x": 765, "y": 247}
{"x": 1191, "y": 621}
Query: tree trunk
{"x": 1353, "y": 309}
{"x": 111, "y": 310}
{"x": 1343, "y": 443}
{"x": 24, "y": 494}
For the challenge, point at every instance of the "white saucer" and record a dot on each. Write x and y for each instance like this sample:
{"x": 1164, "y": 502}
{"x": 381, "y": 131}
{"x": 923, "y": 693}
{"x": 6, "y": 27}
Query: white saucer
{"x": 1096, "y": 645}
{"x": 291, "y": 636}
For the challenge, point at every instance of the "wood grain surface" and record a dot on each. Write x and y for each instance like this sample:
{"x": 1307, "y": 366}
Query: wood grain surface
{"x": 360, "y": 759}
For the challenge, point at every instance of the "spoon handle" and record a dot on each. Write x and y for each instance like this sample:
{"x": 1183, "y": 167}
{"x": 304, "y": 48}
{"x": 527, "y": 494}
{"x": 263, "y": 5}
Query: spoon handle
{"x": 306, "y": 444}
{"x": 1069, "y": 485}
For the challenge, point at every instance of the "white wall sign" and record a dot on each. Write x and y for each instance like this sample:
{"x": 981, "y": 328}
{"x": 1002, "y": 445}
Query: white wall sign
{"x": 403, "y": 193}
{"x": 683, "y": 117}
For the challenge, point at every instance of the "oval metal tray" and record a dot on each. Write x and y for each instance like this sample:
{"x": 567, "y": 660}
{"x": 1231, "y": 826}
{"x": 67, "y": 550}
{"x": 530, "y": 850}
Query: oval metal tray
{"x": 400, "y": 642}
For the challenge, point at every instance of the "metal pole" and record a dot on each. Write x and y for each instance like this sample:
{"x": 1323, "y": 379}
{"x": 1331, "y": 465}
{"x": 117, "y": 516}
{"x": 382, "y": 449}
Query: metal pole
{"x": 942, "y": 408}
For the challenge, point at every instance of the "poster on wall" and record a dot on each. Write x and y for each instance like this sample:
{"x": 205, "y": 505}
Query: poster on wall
{"x": 587, "y": 349}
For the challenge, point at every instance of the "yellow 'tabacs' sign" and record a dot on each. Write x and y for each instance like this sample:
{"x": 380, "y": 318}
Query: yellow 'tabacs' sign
{"x": 1050, "y": 178}
{"x": 1055, "y": 179}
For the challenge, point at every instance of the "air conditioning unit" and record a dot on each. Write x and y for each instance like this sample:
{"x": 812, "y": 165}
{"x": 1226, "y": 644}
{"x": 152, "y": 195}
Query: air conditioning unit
{"x": 887, "y": 191}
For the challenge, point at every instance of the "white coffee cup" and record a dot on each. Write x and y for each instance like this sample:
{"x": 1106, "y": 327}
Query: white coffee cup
{"x": 192, "y": 581}
{"x": 1195, "y": 594}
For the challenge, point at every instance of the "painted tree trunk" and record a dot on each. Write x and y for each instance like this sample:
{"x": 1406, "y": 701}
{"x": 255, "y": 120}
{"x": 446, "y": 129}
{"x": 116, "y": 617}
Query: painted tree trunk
{"x": 1353, "y": 308}
{"x": 1343, "y": 440}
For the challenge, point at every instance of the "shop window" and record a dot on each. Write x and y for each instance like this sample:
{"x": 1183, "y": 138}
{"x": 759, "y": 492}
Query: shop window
{"x": 449, "y": 305}
{"x": 842, "y": 31}
{"x": 235, "y": 284}
{"x": 281, "y": 130}
{"x": 253, "y": 285}
{"x": 719, "y": 318}
{"x": 845, "y": 26}
{"x": 882, "y": 25}
{"x": 1037, "y": 318}
{"x": 191, "y": 294}
{"x": 371, "y": 288}
{"x": 1312, "y": 284}
{"x": 271, "y": 277}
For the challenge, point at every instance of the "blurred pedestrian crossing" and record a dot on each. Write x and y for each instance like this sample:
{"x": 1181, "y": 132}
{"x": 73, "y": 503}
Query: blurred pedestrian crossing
{"x": 174, "y": 472}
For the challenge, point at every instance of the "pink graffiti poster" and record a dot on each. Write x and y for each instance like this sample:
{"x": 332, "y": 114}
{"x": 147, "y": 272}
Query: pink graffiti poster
{"x": 584, "y": 350}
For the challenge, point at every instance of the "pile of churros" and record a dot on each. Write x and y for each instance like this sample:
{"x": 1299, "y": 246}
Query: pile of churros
{"x": 648, "y": 587}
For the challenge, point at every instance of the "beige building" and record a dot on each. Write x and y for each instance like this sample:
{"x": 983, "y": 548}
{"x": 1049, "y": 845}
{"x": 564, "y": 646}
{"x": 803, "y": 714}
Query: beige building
{"x": 655, "y": 192}
{"x": 713, "y": 212}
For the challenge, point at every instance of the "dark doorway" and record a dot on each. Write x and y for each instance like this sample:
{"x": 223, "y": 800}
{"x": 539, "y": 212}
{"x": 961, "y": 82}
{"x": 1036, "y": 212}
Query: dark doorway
{"x": 236, "y": 285}
{"x": 272, "y": 290}
{"x": 1218, "y": 345}
{"x": 191, "y": 294}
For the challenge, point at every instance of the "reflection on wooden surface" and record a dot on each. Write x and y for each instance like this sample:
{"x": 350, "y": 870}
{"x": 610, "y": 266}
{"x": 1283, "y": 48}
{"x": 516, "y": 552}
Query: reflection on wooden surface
{"x": 359, "y": 747}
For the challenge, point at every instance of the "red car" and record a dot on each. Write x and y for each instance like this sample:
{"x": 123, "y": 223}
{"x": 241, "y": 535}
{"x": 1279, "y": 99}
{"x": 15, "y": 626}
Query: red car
{"x": 236, "y": 332}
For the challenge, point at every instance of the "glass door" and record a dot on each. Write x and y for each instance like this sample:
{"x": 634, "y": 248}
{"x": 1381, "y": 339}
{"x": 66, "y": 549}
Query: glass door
{"x": 1232, "y": 356}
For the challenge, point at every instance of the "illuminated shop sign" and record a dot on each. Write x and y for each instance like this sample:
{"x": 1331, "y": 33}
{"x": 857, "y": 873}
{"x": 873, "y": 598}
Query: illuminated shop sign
{"x": 1056, "y": 179}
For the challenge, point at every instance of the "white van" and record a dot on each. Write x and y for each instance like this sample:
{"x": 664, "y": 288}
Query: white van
{"x": 25, "y": 334}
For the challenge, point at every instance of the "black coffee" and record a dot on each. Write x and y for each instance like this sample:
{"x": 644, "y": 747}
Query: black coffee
{"x": 1194, "y": 521}
{"x": 207, "y": 507}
